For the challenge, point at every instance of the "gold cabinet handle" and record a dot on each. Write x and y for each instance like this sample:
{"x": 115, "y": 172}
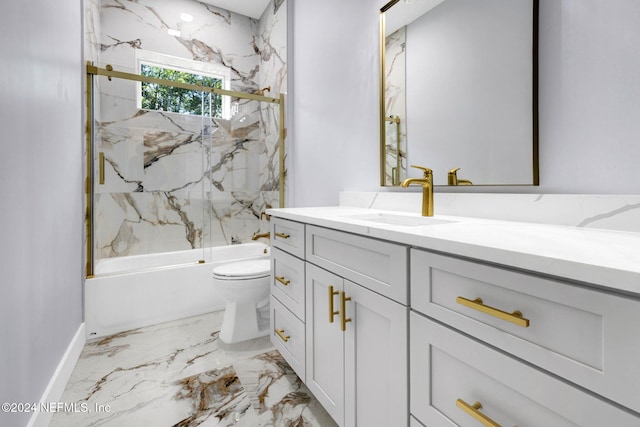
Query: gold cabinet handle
{"x": 332, "y": 313}
{"x": 101, "y": 168}
{"x": 474, "y": 411}
{"x": 283, "y": 235}
{"x": 343, "y": 311}
{"x": 280, "y": 333}
{"x": 282, "y": 280}
{"x": 476, "y": 304}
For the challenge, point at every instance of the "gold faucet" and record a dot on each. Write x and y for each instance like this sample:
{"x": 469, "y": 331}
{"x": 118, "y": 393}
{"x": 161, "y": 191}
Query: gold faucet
{"x": 427, "y": 189}
{"x": 452, "y": 178}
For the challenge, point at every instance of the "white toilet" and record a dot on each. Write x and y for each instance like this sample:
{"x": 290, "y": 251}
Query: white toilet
{"x": 245, "y": 287}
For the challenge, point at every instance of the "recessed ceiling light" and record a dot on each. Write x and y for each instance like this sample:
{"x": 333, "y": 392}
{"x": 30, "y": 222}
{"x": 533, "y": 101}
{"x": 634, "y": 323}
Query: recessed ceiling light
{"x": 186, "y": 17}
{"x": 173, "y": 32}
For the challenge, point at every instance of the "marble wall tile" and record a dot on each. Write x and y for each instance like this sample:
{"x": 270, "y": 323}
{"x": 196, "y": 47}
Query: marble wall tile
{"x": 174, "y": 181}
{"x": 395, "y": 105}
{"x": 272, "y": 43}
{"x": 150, "y": 222}
{"x": 607, "y": 212}
{"x": 91, "y": 22}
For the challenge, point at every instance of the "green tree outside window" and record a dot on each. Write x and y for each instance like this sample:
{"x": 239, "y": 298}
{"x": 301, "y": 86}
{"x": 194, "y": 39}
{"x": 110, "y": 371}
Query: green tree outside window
{"x": 177, "y": 100}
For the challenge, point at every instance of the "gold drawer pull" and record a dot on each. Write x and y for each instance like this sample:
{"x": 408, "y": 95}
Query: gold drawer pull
{"x": 515, "y": 317}
{"x": 282, "y": 235}
{"x": 280, "y": 333}
{"x": 332, "y": 313}
{"x": 474, "y": 411}
{"x": 343, "y": 311}
{"x": 282, "y": 280}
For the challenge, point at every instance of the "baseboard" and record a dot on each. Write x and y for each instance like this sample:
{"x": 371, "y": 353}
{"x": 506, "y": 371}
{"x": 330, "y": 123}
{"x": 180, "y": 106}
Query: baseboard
{"x": 60, "y": 378}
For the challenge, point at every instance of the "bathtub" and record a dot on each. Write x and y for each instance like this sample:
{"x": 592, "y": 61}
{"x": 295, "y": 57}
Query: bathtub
{"x": 141, "y": 290}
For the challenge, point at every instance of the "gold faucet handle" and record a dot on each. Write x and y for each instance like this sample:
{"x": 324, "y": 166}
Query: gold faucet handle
{"x": 426, "y": 171}
{"x": 452, "y": 176}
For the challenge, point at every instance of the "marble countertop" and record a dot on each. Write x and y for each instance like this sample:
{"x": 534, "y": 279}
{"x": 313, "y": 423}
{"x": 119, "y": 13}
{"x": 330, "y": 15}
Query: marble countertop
{"x": 609, "y": 259}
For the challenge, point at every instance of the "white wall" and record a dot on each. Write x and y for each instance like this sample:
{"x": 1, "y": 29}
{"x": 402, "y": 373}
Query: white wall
{"x": 589, "y": 99}
{"x": 590, "y": 96}
{"x": 41, "y": 218}
{"x": 333, "y": 136}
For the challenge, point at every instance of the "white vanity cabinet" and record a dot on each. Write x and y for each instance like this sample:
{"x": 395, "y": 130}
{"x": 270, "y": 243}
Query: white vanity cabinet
{"x": 288, "y": 293}
{"x": 352, "y": 316}
{"x": 457, "y": 325}
{"x": 584, "y": 336}
{"x": 357, "y": 327}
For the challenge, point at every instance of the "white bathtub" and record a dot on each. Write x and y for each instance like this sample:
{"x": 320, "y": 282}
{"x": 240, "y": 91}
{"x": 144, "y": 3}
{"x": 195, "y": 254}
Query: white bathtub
{"x": 135, "y": 291}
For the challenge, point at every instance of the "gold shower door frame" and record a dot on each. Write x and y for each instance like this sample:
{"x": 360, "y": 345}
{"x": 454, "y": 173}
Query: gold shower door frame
{"x": 109, "y": 72}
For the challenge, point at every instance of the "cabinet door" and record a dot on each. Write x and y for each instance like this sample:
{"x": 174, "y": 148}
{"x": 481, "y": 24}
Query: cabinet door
{"x": 325, "y": 344}
{"x": 376, "y": 354}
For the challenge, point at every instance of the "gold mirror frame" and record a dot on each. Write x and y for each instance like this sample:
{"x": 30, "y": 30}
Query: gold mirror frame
{"x": 534, "y": 111}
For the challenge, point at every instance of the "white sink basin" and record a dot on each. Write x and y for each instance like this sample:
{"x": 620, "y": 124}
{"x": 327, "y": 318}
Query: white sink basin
{"x": 403, "y": 220}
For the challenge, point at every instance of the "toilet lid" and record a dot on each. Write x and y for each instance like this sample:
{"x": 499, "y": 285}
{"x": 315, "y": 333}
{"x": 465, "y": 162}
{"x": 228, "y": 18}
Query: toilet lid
{"x": 250, "y": 269}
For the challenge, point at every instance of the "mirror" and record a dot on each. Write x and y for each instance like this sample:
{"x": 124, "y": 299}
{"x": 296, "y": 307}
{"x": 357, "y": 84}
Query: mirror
{"x": 459, "y": 91}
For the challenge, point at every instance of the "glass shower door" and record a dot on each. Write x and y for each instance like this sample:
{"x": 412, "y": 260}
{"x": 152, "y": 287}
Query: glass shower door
{"x": 168, "y": 187}
{"x": 150, "y": 183}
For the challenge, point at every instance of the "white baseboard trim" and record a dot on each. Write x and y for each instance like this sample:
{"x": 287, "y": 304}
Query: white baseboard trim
{"x": 60, "y": 378}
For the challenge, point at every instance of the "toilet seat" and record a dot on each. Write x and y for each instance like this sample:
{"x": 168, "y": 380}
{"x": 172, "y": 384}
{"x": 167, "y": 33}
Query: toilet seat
{"x": 243, "y": 270}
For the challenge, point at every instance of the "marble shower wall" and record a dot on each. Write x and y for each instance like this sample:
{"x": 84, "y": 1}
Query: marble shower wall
{"x": 174, "y": 181}
{"x": 272, "y": 44}
{"x": 395, "y": 105}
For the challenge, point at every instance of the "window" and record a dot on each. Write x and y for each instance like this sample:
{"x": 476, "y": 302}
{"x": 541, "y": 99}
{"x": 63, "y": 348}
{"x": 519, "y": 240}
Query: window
{"x": 178, "y": 100}
{"x": 153, "y": 96}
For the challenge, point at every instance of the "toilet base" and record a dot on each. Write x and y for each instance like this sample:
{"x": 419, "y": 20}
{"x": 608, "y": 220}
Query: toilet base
{"x": 242, "y": 322}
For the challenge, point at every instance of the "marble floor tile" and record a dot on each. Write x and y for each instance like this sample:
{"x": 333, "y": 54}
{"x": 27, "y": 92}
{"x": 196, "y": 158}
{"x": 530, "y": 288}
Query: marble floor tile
{"x": 180, "y": 374}
{"x": 277, "y": 394}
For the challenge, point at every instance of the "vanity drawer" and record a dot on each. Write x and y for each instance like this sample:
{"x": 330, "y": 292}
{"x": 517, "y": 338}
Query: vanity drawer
{"x": 375, "y": 264}
{"x": 288, "y": 336}
{"x": 288, "y": 236}
{"x": 287, "y": 281}
{"x": 449, "y": 369}
{"x": 581, "y": 334}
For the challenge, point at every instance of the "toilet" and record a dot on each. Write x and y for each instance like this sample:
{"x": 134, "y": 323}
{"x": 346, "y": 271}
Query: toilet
{"x": 244, "y": 285}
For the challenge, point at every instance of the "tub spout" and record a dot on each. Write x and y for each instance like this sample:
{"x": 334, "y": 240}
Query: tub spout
{"x": 257, "y": 236}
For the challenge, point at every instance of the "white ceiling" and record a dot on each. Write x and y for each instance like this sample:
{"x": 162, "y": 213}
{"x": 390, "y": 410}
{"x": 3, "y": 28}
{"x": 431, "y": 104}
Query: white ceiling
{"x": 251, "y": 8}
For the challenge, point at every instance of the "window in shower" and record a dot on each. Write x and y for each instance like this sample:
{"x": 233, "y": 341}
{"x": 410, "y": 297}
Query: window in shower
{"x": 152, "y": 96}
{"x": 177, "y": 100}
